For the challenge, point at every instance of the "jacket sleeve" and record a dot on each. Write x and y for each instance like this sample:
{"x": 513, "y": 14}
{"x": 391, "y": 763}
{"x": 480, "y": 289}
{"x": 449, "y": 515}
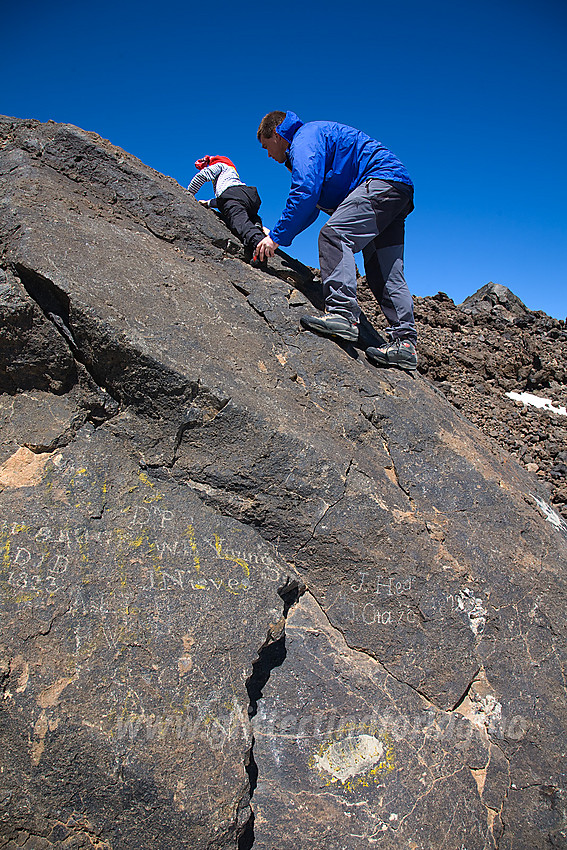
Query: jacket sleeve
{"x": 204, "y": 176}
{"x": 307, "y": 176}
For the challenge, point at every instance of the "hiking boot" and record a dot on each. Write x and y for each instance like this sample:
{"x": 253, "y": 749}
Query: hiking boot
{"x": 400, "y": 353}
{"x": 333, "y": 325}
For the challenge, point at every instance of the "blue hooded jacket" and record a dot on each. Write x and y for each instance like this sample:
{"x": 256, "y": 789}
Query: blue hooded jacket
{"x": 328, "y": 160}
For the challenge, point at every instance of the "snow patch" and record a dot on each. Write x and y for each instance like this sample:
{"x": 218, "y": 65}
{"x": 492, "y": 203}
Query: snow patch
{"x": 549, "y": 514}
{"x": 536, "y": 401}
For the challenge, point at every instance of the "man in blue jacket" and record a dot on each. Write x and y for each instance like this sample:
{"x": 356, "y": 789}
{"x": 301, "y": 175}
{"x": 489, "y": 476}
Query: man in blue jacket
{"x": 368, "y": 194}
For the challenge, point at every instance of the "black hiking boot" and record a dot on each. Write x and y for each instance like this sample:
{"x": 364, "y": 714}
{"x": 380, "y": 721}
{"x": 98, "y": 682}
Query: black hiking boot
{"x": 400, "y": 353}
{"x": 333, "y": 325}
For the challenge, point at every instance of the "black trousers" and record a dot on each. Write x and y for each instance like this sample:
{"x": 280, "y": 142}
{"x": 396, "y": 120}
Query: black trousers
{"x": 239, "y": 207}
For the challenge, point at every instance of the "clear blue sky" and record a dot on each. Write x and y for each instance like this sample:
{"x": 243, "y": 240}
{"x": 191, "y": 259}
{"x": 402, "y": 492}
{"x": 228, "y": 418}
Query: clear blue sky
{"x": 470, "y": 95}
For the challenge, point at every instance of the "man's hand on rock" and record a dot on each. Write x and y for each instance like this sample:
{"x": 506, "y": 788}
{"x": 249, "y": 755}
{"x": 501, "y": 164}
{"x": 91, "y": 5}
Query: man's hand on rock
{"x": 266, "y": 248}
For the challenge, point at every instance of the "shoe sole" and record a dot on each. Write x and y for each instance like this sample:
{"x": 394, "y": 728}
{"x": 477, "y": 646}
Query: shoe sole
{"x": 346, "y": 337}
{"x": 376, "y": 361}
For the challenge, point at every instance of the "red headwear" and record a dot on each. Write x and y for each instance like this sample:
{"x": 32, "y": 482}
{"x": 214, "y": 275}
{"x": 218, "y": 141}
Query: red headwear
{"x": 210, "y": 160}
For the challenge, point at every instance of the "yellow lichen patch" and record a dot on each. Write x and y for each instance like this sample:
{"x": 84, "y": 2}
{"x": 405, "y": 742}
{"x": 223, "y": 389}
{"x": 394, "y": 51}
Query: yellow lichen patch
{"x": 155, "y": 496}
{"x": 357, "y": 756}
{"x": 190, "y": 533}
{"x": 24, "y": 468}
{"x": 127, "y": 552}
{"x": 345, "y": 759}
{"x": 228, "y": 557}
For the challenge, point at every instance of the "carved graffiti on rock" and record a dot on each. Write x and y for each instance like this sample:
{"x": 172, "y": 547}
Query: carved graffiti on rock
{"x": 403, "y": 600}
{"x": 146, "y": 545}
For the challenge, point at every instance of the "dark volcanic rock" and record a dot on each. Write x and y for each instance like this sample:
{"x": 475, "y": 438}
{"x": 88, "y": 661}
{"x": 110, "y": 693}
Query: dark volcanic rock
{"x": 256, "y": 592}
{"x": 495, "y": 300}
{"x": 31, "y": 355}
{"x": 489, "y": 346}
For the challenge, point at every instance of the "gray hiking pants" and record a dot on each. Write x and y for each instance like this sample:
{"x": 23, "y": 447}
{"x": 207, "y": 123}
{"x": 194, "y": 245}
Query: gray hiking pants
{"x": 371, "y": 219}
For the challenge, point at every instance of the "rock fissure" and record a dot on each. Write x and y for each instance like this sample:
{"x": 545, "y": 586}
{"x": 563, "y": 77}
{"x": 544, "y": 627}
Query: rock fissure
{"x": 198, "y": 414}
{"x": 10, "y": 170}
{"x": 241, "y": 287}
{"x": 428, "y": 791}
{"x": 318, "y": 523}
{"x": 374, "y": 421}
{"x": 370, "y": 655}
{"x": 50, "y": 299}
{"x": 47, "y": 630}
{"x": 55, "y": 305}
{"x": 162, "y": 236}
{"x": 272, "y": 654}
{"x": 404, "y": 490}
{"x": 492, "y": 812}
{"x": 329, "y": 507}
{"x": 501, "y": 816}
{"x": 467, "y": 690}
{"x": 101, "y": 354}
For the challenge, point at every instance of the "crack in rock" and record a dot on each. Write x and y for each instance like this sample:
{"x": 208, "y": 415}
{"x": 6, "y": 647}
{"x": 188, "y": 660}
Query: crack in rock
{"x": 327, "y": 509}
{"x": 55, "y": 305}
{"x": 272, "y": 654}
{"x": 374, "y": 418}
{"x": 121, "y": 374}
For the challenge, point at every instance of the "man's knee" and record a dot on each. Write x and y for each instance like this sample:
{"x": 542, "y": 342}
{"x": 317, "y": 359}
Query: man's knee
{"x": 328, "y": 236}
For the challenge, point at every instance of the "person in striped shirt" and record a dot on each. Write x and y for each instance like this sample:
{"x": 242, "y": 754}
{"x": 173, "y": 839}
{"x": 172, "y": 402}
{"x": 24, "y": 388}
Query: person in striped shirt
{"x": 237, "y": 203}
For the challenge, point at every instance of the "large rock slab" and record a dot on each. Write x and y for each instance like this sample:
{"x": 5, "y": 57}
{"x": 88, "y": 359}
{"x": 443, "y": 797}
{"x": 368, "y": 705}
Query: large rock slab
{"x": 132, "y": 615}
{"x": 366, "y": 757}
{"x": 213, "y": 481}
